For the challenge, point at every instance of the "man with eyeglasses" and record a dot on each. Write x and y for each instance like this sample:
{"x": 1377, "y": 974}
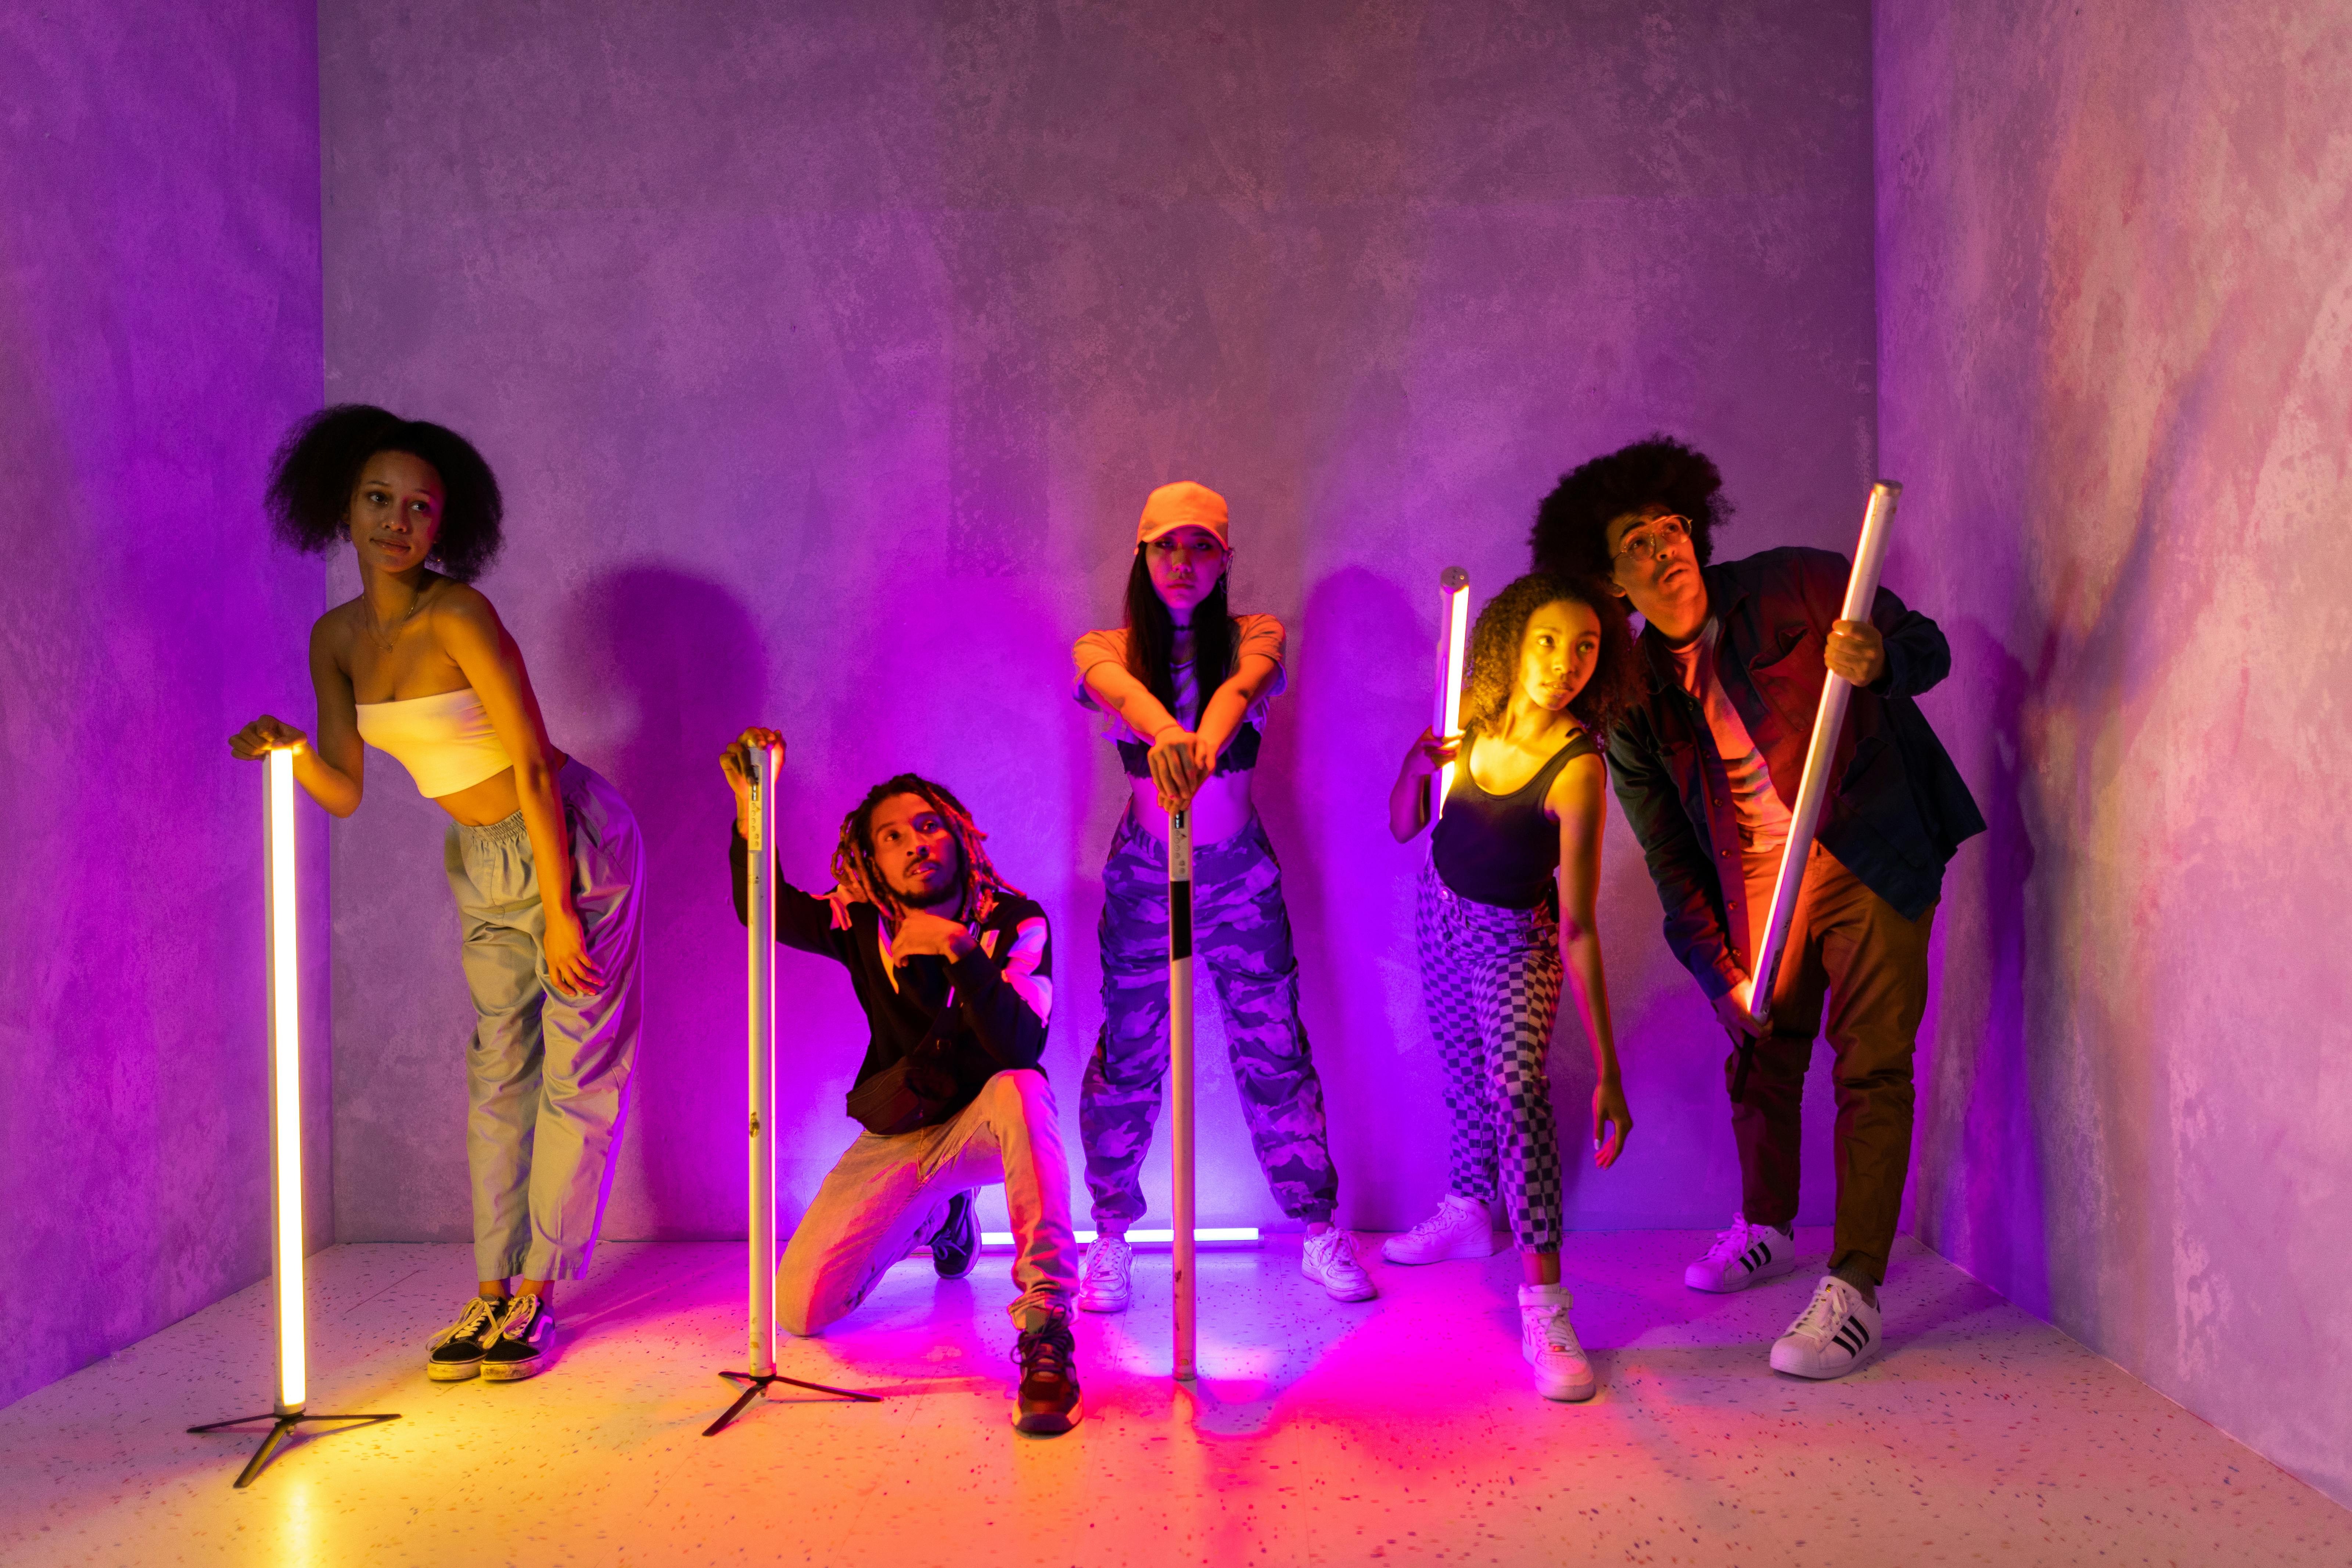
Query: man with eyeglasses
{"x": 1706, "y": 771}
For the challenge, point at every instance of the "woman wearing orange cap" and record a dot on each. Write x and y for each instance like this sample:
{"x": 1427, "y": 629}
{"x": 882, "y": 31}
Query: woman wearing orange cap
{"x": 1186, "y": 684}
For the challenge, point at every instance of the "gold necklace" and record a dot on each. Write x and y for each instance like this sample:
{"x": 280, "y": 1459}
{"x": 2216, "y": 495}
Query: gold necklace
{"x": 385, "y": 640}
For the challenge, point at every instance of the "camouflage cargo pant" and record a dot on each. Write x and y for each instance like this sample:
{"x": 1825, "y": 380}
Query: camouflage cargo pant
{"x": 1241, "y": 933}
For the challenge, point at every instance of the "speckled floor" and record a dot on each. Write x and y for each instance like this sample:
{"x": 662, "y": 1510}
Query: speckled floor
{"x": 1399, "y": 1430}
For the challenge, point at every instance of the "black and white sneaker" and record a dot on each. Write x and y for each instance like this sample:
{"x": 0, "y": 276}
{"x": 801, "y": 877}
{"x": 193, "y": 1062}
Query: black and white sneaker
{"x": 525, "y": 1342}
{"x": 956, "y": 1244}
{"x": 1837, "y": 1332}
{"x": 456, "y": 1351}
{"x": 1742, "y": 1256}
{"x": 1047, "y": 1400}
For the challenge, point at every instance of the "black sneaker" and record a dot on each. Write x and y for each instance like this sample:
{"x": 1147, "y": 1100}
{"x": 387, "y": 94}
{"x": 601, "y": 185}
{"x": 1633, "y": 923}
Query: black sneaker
{"x": 1047, "y": 1400}
{"x": 957, "y": 1243}
{"x": 526, "y": 1343}
{"x": 456, "y": 1351}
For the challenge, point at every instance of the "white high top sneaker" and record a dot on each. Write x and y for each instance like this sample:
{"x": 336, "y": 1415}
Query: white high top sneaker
{"x": 1742, "y": 1256}
{"x": 1549, "y": 1344}
{"x": 1460, "y": 1228}
{"x": 1329, "y": 1259}
{"x": 1102, "y": 1284}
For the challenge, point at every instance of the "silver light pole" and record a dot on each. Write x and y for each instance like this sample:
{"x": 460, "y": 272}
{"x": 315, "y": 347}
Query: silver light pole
{"x": 1179, "y": 1072}
{"x": 759, "y": 875}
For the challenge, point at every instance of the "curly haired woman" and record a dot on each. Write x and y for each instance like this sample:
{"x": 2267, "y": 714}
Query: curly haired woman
{"x": 1504, "y": 908}
{"x": 542, "y": 855}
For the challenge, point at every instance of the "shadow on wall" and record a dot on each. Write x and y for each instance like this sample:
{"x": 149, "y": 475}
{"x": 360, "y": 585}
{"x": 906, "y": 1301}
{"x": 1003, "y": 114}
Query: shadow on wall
{"x": 1988, "y": 1074}
{"x": 1349, "y": 889}
{"x": 680, "y": 663}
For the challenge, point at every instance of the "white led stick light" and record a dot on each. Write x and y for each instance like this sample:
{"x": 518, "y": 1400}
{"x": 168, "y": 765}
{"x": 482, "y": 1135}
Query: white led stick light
{"x": 1180, "y": 1074}
{"x": 760, "y": 910}
{"x": 1453, "y": 647}
{"x": 1861, "y": 589}
{"x": 285, "y": 1128}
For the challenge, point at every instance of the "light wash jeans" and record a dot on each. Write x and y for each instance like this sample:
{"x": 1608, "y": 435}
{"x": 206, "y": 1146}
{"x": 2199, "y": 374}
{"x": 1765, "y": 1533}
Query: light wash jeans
{"x": 547, "y": 1076}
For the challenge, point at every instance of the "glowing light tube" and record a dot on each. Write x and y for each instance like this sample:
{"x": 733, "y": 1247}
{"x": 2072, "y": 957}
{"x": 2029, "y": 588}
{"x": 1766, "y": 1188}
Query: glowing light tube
{"x": 284, "y": 1089}
{"x": 1180, "y": 1073}
{"x": 1453, "y": 649}
{"x": 761, "y": 1035}
{"x": 1206, "y": 1235}
{"x": 1861, "y": 589}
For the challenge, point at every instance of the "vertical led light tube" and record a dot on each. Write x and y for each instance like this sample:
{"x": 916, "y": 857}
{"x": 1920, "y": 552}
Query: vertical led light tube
{"x": 761, "y": 1035}
{"x": 1180, "y": 1073}
{"x": 760, "y": 913}
{"x": 1452, "y": 647}
{"x": 1861, "y": 589}
{"x": 284, "y": 1089}
{"x": 285, "y": 1127}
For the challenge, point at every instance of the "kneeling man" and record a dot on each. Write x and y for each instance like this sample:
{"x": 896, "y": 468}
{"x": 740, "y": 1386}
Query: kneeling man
{"x": 953, "y": 968}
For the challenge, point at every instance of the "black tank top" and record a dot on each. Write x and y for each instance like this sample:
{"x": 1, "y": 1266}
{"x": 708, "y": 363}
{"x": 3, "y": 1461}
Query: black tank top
{"x": 1501, "y": 849}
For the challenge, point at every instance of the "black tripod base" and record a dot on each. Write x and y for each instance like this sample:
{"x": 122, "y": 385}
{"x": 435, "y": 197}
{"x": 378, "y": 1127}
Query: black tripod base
{"x": 756, "y": 1384}
{"x": 280, "y": 1427}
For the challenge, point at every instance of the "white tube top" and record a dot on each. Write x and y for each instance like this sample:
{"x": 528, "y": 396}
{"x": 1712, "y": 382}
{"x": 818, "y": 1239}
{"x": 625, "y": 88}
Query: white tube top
{"x": 445, "y": 740}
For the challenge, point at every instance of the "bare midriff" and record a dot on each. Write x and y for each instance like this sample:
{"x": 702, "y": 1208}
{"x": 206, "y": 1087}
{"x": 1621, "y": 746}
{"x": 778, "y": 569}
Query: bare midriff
{"x": 494, "y": 799}
{"x": 1221, "y": 808}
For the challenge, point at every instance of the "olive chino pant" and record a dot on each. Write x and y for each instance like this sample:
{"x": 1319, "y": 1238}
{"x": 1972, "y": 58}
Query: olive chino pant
{"x": 1852, "y": 948}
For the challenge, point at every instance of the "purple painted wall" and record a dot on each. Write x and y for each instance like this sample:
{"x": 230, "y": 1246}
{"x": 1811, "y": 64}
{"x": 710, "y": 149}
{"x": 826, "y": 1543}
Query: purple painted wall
{"x": 827, "y": 355}
{"x": 159, "y": 327}
{"x": 2116, "y": 330}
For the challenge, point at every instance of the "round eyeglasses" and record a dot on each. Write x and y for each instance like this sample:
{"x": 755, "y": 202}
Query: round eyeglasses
{"x": 1659, "y": 536}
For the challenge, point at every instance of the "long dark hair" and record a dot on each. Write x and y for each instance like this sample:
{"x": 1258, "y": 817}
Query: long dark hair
{"x": 311, "y": 479}
{"x": 1151, "y": 638}
{"x": 1617, "y": 686}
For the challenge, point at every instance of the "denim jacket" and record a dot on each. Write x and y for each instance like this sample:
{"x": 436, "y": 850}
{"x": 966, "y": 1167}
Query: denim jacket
{"x": 1898, "y": 808}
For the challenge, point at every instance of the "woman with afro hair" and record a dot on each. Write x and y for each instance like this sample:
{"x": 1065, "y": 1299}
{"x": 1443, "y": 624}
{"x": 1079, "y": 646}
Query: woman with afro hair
{"x": 542, "y": 855}
{"x": 1505, "y": 910}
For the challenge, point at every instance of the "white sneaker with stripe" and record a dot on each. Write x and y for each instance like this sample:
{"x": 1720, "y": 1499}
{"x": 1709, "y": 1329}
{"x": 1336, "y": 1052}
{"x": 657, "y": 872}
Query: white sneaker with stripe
{"x": 1547, "y": 1341}
{"x": 1742, "y": 1256}
{"x": 1837, "y": 1332}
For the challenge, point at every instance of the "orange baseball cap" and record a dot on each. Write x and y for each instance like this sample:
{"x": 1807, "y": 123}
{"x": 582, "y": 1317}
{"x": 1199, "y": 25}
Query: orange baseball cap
{"x": 1181, "y": 505}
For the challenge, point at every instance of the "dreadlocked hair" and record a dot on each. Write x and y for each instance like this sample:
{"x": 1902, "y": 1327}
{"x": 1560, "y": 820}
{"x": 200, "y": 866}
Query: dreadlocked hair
{"x": 855, "y": 870}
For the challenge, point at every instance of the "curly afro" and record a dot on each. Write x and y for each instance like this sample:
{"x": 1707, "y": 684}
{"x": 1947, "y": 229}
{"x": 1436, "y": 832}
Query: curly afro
{"x": 1617, "y": 687}
{"x": 1571, "y": 533}
{"x": 313, "y": 477}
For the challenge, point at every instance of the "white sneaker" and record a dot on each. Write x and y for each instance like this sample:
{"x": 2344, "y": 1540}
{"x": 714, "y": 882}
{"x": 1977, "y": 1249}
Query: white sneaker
{"x": 1460, "y": 1228}
{"x": 1329, "y": 1259}
{"x": 1549, "y": 1344}
{"x": 1103, "y": 1285}
{"x": 1837, "y": 1332}
{"x": 1742, "y": 1256}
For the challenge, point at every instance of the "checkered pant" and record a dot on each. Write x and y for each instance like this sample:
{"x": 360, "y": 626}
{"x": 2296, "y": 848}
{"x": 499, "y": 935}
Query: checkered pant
{"x": 1490, "y": 977}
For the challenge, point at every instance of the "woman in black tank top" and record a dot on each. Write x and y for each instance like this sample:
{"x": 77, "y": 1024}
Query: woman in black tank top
{"x": 1504, "y": 913}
